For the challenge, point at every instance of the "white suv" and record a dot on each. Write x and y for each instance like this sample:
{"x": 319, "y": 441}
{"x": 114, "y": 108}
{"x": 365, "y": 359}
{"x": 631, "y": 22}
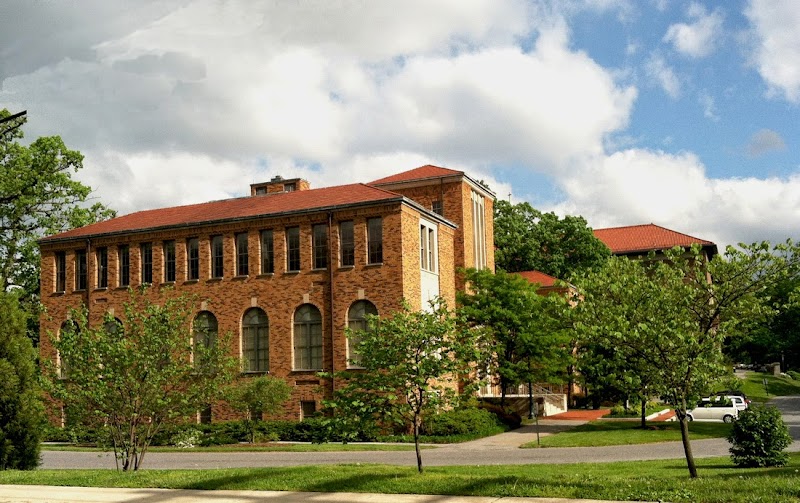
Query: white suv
{"x": 718, "y": 408}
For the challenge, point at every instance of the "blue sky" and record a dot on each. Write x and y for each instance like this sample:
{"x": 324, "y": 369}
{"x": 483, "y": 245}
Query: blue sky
{"x": 680, "y": 113}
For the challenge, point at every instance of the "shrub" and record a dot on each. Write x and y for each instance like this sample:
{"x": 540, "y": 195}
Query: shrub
{"x": 793, "y": 374}
{"x": 186, "y": 439}
{"x": 460, "y": 422}
{"x": 759, "y": 437}
{"x": 509, "y": 418}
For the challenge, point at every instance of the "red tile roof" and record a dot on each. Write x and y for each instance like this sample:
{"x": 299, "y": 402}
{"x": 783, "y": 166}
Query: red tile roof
{"x": 233, "y": 209}
{"x": 421, "y": 173}
{"x": 544, "y": 280}
{"x": 643, "y": 238}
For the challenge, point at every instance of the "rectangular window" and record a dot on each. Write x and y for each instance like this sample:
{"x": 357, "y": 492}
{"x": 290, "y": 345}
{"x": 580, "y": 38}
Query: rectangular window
{"x": 293, "y": 249}
{"x": 437, "y": 208}
{"x": 169, "y": 261}
{"x": 147, "y": 262}
{"x": 267, "y": 253}
{"x": 308, "y": 408}
{"x": 478, "y": 231}
{"x": 347, "y": 244}
{"x": 319, "y": 245}
{"x": 124, "y": 262}
{"x": 217, "y": 261}
{"x": 102, "y": 267}
{"x": 80, "y": 270}
{"x": 242, "y": 257}
{"x": 193, "y": 259}
{"x": 428, "y": 247}
{"x": 374, "y": 240}
{"x": 61, "y": 271}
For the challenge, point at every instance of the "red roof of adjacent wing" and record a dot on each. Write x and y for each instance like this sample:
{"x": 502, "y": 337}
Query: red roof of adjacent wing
{"x": 541, "y": 278}
{"x": 421, "y": 173}
{"x": 643, "y": 238}
{"x": 233, "y": 209}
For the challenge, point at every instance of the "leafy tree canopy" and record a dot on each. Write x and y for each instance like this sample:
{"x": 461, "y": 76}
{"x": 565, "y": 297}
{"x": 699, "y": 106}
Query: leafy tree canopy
{"x": 38, "y": 197}
{"x": 668, "y": 318}
{"x": 527, "y": 239}
{"x": 412, "y": 361}
{"x": 523, "y": 332}
{"x": 21, "y": 412}
{"x": 136, "y": 374}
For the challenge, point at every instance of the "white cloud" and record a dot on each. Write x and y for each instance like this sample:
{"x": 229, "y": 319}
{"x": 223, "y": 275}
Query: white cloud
{"x": 709, "y": 106}
{"x": 699, "y": 38}
{"x": 776, "y": 45}
{"x": 638, "y": 186}
{"x": 663, "y": 75}
{"x": 765, "y": 141}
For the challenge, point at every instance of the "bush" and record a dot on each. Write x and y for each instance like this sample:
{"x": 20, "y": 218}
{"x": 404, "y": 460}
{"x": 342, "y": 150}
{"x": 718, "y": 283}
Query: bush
{"x": 511, "y": 419}
{"x": 793, "y": 374}
{"x": 759, "y": 437}
{"x": 460, "y": 422}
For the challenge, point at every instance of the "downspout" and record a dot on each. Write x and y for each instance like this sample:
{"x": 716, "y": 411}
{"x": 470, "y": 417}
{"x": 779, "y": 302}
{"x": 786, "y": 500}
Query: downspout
{"x": 88, "y": 290}
{"x": 330, "y": 300}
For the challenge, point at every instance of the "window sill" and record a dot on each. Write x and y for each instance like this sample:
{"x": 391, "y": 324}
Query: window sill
{"x": 349, "y": 367}
{"x": 191, "y": 281}
{"x": 346, "y": 267}
{"x": 213, "y": 280}
{"x": 58, "y": 293}
{"x": 254, "y": 372}
{"x": 376, "y": 264}
{"x": 240, "y": 277}
{"x": 122, "y": 287}
{"x": 291, "y": 272}
{"x": 168, "y": 283}
{"x": 101, "y": 289}
{"x": 266, "y": 275}
{"x": 79, "y": 290}
{"x": 319, "y": 269}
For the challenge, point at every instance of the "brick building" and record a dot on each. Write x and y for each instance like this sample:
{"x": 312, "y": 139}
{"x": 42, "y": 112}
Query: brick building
{"x": 285, "y": 269}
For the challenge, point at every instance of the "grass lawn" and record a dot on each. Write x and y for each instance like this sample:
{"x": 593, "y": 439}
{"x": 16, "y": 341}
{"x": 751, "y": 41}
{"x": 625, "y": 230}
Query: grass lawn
{"x": 598, "y": 433}
{"x": 666, "y": 480}
{"x": 753, "y": 386}
{"x": 330, "y": 447}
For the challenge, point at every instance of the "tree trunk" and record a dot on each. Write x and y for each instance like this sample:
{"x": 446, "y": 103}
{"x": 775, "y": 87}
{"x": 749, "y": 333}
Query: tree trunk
{"x": 417, "y": 421}
{"x": 644, "y": 408}
{"x": 687, "y": 446}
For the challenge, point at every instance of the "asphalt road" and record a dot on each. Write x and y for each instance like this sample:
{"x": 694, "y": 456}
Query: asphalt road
{"x": 499, "y": 450}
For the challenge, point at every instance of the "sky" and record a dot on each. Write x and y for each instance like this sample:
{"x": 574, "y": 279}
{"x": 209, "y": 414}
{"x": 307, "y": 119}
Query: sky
{"x": 679, "y": 113}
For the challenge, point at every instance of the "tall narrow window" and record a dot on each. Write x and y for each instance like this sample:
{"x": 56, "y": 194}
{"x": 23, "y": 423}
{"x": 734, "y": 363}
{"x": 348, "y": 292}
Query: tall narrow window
{"x": 69, "y": 327}
{"x": 204, "y": 335}
{"x": 478, "y": 230}
{"x": 80, "y": 270}
{"x": 428, "y": 248}
{"x": 255, "y": 341}
{"x": 293, "y": 249}
{"x": 102, "y": 267}
{"x": 61, "y": 271}
{"x": 147, "y": 262}
{"x": 307, "y": 338}
{"x": 242, "y": 257}
{"x": 169, "y": 261}
{"x": 319, "y": 245}
{"x": 124, "y": 263}
{"x": 217, "y": 260}
{"x": 267, "y": 252}
{"x": 347, "y": 244}
{"x": 437, "y": 207}
{"x": 375, "y": 240}
{"x": 193, "y": 259}
{"x": 357, "y": 323}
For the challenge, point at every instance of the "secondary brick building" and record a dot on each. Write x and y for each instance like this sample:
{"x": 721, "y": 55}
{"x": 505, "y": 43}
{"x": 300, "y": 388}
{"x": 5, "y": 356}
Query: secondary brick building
{"x": 285, "y": 269}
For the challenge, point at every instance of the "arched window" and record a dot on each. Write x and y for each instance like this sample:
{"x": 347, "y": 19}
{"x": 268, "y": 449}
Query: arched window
{"x": 71, "y": 327}
{"x": 357, "y": 322}
{"x": 307, "y": 338}
{"x": 204, "y": 333}
{"x": 255, "y": 340}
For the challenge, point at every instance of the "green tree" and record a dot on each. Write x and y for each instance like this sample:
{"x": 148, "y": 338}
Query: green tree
{"x": 256, "y": 397}
{"x": 38, "y": 197}
{"x": 21, "y": 412}
{"x": 135, "y": 375}
{"x": 527, "y": 239}
{"x": 525, "y": 340}
{"x": 411, "y": 362}
{"x": 671, "y": 316}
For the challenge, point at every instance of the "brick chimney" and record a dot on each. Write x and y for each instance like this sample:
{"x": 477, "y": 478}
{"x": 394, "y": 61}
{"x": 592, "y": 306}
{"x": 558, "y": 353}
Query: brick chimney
{"x": 277, "y": 185}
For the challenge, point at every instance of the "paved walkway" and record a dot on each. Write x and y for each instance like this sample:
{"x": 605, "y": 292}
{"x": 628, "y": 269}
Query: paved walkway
{"x": 47, "y": 494}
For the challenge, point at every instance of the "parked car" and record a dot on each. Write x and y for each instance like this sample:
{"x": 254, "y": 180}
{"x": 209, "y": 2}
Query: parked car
{"x": 716, "y": 408}
{"x": 739, "y": 399}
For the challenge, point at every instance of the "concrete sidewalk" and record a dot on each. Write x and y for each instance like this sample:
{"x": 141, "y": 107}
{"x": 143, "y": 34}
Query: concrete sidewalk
{"x": 50, "y": 494}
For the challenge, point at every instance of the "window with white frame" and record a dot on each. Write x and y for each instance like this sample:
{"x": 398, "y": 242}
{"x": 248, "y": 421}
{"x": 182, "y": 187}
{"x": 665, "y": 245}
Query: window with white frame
{"x": 428, "y": 246}
{"x": 307, "y": 338}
